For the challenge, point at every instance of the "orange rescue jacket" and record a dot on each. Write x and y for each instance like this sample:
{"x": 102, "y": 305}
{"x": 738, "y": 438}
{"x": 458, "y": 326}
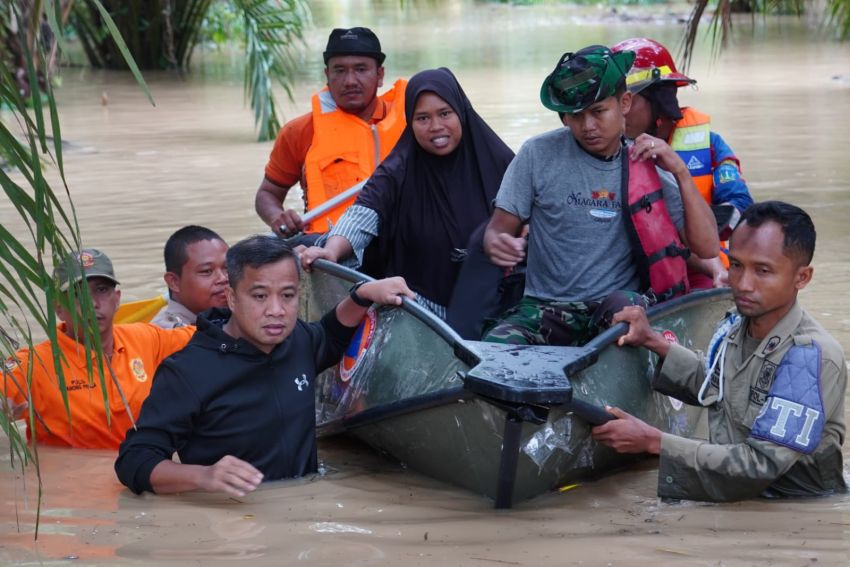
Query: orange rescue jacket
{"x": 346, "y": 150}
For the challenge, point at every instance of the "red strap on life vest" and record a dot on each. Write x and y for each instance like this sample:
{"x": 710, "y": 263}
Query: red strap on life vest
{"x": 657, "y": 248}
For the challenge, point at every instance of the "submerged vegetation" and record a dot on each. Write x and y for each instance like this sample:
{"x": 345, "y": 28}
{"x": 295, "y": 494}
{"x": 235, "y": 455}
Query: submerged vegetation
{"x": 163, "y": 34}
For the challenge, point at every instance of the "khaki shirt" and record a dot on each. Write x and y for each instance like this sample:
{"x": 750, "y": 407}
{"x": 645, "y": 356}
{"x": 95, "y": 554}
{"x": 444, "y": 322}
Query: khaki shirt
{"x": 174, "y": 315}
{"x": 732, "y": 465}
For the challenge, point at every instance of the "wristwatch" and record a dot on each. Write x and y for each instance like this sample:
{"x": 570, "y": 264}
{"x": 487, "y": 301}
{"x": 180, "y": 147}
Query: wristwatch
{"x": 352, "y": 293}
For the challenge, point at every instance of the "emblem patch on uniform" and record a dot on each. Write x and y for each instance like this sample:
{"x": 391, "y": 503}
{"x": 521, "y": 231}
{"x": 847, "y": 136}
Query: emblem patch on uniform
{"x": 771, "y": 345}
{"x": 11, "y": 364}
{"x": 694, "y": 163}
{"x": 137, "y": 367}
{"x": 759, "y": 391}
{"x": 726, "y": 173}
{"x": 670, "y": 337}
{"x": 86, "y": 260}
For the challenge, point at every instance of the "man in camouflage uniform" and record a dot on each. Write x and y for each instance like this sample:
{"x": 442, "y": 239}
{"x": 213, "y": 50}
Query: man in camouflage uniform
{"x": 567, "y": 186}
{"x": 196, "y": 275}
{"x": 776, "y": 386}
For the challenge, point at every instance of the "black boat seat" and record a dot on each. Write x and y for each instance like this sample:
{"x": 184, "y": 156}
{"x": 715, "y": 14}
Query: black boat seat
{"x": 521, "y": 374}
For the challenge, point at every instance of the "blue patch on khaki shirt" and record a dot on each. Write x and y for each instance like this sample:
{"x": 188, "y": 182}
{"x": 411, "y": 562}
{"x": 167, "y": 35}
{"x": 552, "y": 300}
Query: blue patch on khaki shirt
{"x": 793, "y": 414}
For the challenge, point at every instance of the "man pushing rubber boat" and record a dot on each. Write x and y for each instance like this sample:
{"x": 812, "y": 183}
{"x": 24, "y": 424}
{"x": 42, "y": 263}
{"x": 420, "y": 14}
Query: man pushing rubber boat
{"x": 772, "y": 378}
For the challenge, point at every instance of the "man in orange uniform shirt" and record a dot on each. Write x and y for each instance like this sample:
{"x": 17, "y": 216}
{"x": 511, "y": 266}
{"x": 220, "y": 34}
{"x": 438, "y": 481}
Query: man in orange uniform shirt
{"x": 133, "y": 353}
{"x": 349, "y": 131}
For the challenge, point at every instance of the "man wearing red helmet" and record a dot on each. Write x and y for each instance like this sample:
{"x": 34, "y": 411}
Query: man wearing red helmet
{"x": 711, "y": 162}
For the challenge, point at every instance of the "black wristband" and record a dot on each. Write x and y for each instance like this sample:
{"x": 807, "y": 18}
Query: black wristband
{"x": 352, "y": 293}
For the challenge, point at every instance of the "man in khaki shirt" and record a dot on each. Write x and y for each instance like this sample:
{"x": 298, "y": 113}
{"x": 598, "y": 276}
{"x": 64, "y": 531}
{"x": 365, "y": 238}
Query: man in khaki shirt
{"x": 776, "y": 379}
{"x": 196, "y": 276}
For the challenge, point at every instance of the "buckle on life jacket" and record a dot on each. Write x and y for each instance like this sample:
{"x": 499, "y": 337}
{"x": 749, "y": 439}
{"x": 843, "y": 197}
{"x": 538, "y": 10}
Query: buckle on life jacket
{"x": 671, "y": 250}
{"x": 645, "y": 202}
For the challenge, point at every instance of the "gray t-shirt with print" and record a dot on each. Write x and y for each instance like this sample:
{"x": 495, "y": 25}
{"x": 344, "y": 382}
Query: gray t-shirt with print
{"x": 578, "y": 248}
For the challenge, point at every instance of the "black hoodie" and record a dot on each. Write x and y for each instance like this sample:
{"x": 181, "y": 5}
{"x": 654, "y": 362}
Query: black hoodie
{"x": 221, "y": 396}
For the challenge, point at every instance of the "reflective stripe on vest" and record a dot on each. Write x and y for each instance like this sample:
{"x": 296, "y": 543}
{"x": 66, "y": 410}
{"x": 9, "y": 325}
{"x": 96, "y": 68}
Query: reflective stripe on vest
{"x": 656, "y": 246}
{"x": 692, "y": 141}
{"x": 345, "y": 150}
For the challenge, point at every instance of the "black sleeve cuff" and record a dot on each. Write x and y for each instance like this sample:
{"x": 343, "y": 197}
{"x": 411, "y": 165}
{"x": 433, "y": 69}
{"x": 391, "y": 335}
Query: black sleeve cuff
{"x": 134, "y": 469}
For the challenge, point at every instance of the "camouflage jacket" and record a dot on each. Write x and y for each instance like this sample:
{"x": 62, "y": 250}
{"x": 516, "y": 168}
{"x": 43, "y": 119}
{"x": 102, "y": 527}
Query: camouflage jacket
{"x": 734, "y": 464}
{"x": 174, "y": 315}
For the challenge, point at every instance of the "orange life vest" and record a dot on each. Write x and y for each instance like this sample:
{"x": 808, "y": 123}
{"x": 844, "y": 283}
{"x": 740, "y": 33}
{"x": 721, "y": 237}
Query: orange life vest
{"x": 658, "y": 251}
{"x": 691, "y": 139}
{"x": 346, "y": 150}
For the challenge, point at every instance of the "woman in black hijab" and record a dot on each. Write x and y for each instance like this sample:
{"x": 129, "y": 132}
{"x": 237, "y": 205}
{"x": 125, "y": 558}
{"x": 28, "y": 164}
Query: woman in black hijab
{"x": 429, "y": 194}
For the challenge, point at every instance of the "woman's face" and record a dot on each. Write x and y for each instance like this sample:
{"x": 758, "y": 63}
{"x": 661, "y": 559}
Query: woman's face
{"x": 436, "y": 126}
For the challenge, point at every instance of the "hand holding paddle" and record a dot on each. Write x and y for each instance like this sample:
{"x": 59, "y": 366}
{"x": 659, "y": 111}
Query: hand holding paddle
{"x": 640, "y": 332}
{"x": 288, "y": 223}
{"x": 628, "y": 434}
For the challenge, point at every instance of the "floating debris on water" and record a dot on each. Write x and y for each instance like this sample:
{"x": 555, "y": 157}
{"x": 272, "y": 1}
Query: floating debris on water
{"x": 335, "y": 528}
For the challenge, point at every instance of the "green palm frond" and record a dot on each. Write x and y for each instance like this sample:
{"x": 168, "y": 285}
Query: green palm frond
{"x": 720, "y": 25}
{"x": 29, "y": 295}
{"x": 272, "y": 27}
{"x": 839, "y": 17}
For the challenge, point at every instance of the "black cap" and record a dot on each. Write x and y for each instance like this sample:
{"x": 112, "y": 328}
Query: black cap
{"x": 354, "y": 41}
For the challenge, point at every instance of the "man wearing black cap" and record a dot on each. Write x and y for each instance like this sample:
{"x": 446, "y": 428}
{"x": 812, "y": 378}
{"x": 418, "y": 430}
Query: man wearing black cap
{"x": 587, "y": 251}
{"x": 655, "y": 81}
{"x": 337, "y": 145}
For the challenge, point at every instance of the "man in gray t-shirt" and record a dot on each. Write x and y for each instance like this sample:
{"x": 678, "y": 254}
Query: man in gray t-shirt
{"x": 567, "y": 185}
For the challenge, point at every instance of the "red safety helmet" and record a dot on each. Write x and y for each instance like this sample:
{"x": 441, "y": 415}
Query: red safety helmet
{"x": 652, "y": 64}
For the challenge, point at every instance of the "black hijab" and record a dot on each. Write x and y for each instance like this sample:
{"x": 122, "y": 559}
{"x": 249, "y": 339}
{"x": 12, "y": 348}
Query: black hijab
{"x": 429, "y": 205}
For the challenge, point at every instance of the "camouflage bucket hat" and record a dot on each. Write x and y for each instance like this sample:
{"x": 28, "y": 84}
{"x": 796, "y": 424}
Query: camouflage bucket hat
{"x": 584, "y": 78}
{"x": 88, "y": 262}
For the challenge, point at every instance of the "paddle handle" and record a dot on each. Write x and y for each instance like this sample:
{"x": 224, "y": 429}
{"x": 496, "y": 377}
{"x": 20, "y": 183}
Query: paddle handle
{"x": 592, "y": 414}
{"x": 332, "y": 203}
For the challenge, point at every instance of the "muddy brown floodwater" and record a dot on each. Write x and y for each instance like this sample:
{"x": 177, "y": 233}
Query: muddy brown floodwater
{"x": 782, "y": 100}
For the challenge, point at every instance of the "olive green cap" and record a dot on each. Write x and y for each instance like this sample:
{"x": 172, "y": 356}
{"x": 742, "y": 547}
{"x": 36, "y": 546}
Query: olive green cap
{"x": 88, "y": 262}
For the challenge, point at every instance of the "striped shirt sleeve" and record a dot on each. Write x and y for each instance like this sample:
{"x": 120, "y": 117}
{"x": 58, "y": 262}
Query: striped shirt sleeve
{"x": 359, "y": 225}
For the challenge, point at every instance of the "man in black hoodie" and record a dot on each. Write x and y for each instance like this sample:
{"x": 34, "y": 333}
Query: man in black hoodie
{"x": 238, "y": 403}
